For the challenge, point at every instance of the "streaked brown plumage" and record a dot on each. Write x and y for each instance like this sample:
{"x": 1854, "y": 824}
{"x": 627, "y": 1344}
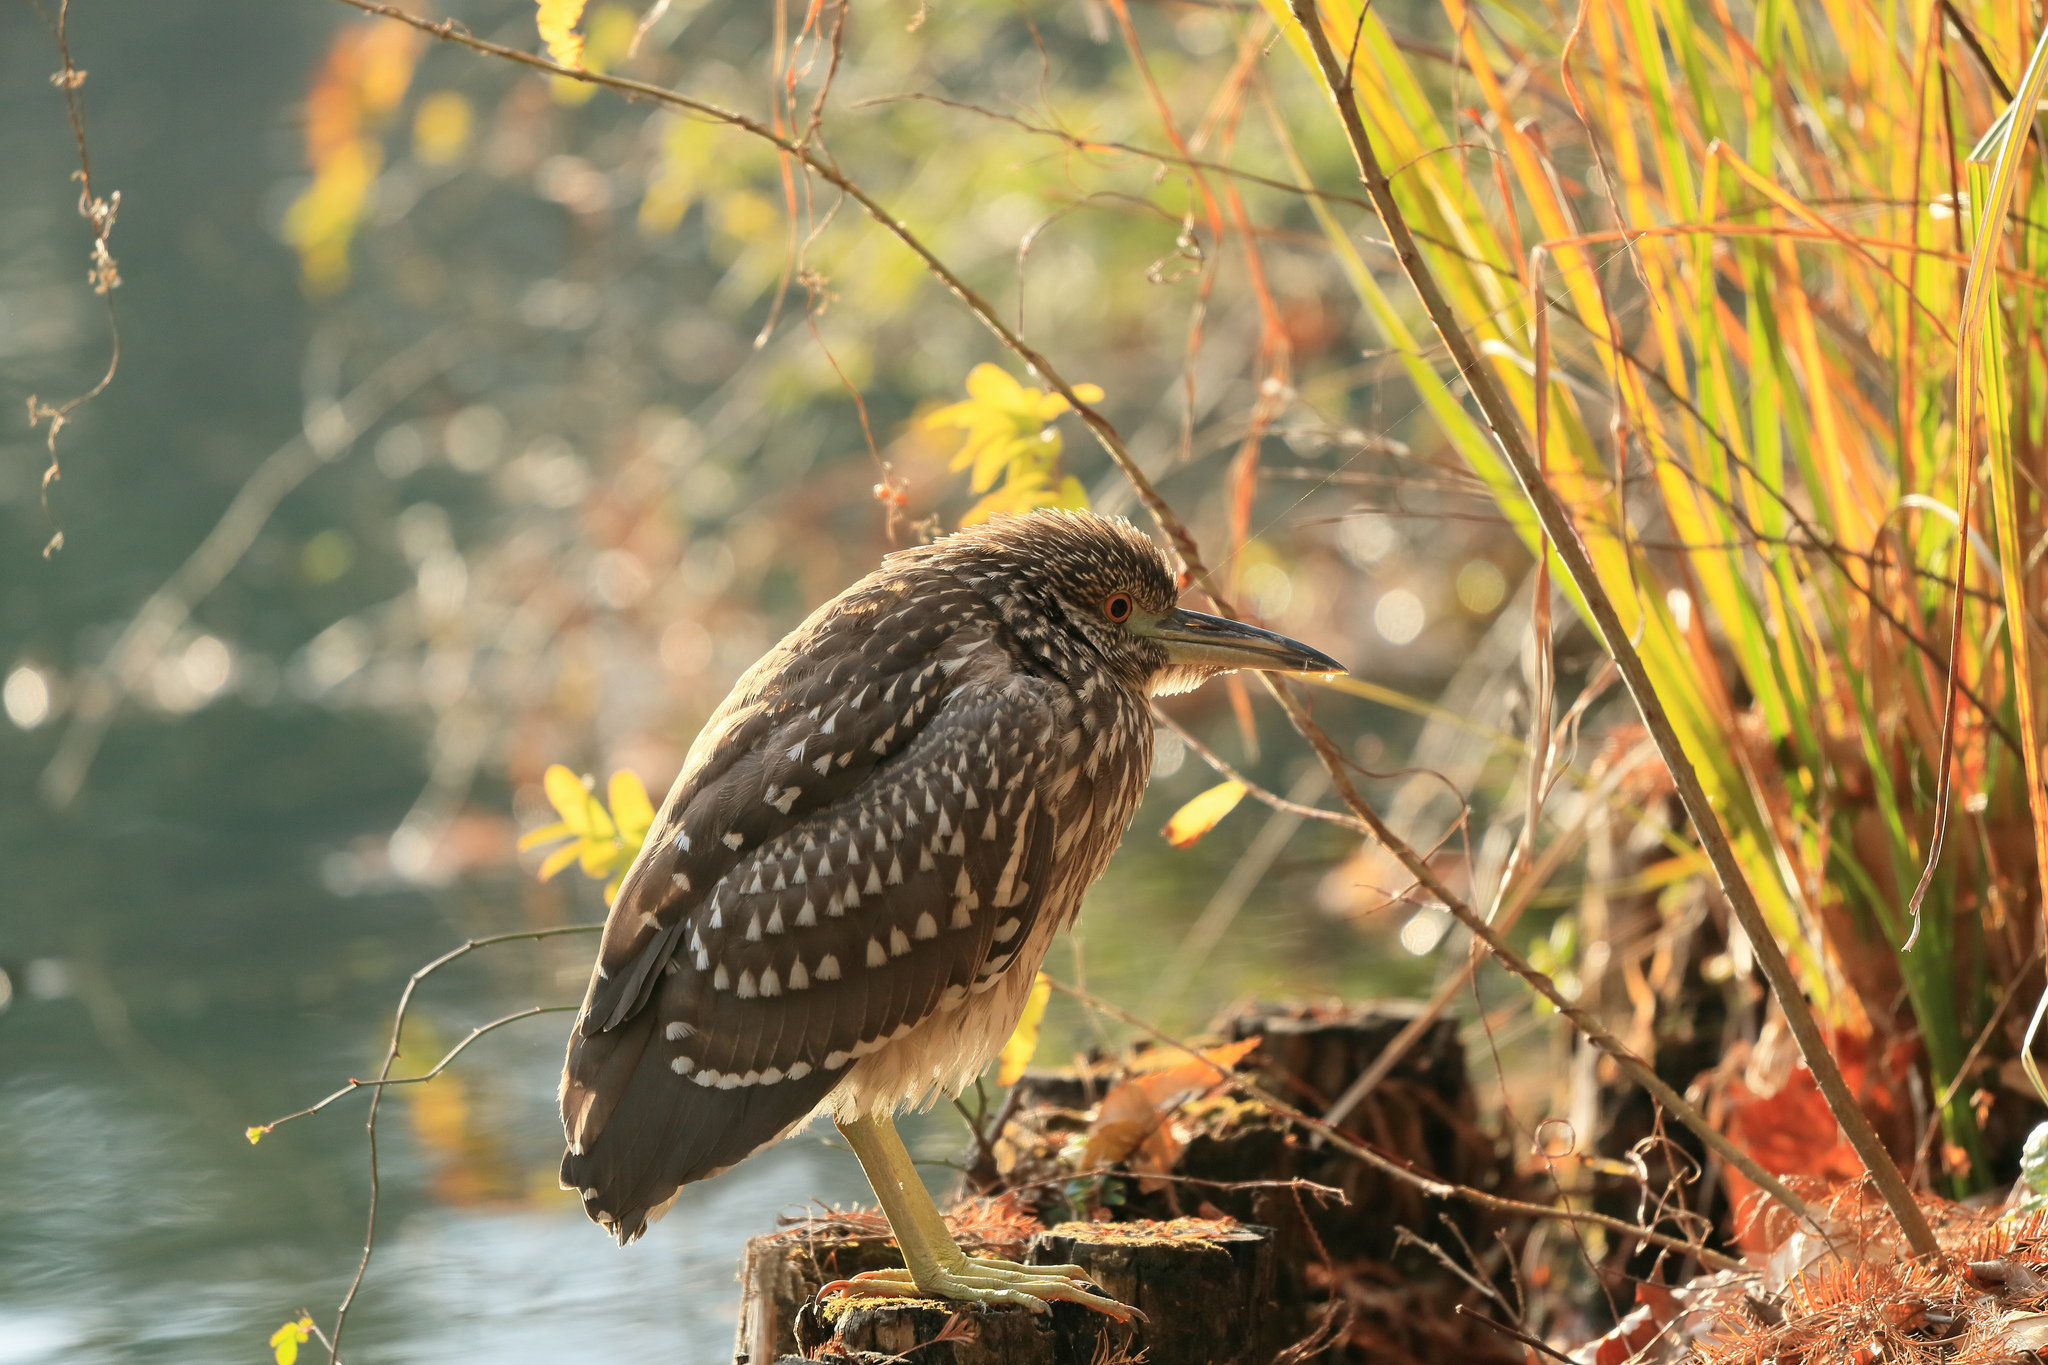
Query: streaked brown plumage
{"x": 844, "y": 898}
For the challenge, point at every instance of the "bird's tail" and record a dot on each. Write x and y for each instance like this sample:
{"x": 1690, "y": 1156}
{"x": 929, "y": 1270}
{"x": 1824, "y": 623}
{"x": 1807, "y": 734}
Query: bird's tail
{"x": 638, "y": 1132}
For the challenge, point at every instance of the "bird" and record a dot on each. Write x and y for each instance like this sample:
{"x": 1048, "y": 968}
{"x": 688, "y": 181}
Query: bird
{"x": 842, "y": 904}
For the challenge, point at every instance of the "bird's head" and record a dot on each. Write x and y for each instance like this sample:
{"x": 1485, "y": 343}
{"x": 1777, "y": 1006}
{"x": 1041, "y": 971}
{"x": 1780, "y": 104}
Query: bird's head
{"x": 1075, "y": 580}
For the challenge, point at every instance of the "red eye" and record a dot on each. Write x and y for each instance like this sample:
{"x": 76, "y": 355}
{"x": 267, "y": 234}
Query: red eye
{"x": 1117, "y": 607}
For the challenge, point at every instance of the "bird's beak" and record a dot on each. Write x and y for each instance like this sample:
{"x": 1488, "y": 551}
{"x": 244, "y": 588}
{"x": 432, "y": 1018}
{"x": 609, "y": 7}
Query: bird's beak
{"x": 1196, "y": 640}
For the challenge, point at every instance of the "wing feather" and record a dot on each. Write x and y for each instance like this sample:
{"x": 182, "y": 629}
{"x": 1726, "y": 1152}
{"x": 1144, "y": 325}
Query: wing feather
{"x": 806, "y": 952}
{"x": 795, "y": 737}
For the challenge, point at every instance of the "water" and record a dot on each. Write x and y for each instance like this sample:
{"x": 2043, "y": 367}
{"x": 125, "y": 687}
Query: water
{"x": 210, "y": 936}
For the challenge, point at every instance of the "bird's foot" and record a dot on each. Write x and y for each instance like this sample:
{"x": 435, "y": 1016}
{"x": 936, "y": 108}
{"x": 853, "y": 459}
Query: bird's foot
{"x": 976, "y": 1280}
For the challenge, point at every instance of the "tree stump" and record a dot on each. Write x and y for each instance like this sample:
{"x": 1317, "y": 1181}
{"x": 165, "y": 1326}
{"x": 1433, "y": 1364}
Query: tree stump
{"x": 1206, "y": 1288}
{"x": 1338, "y": 1261}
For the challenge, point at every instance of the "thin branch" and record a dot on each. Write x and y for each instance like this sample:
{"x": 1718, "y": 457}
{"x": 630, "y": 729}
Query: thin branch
{"x": 1176, "y": 532}
{"x": 454, "y": 1052}
{"x": 1639, "y": 1070}
{"x": 1571, "y": 551}
{"x": 104, "y": 275}
{"x": 1439, "y": 1189}
{"x": 1515, "y": 900}
{"x": 1513, "y": 1333}
{"x": 1270, "y": 798}
{"x": 376, "y": 1088}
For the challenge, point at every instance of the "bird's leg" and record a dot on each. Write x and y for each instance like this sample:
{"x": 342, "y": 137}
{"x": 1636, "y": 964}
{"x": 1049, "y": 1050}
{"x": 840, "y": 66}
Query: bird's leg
{"x": 935, "y": 1266}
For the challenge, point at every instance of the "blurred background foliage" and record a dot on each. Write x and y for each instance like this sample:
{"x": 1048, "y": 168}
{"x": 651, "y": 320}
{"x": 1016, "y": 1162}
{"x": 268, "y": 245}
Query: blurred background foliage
{"x": 470, "y": 422}
{"x": 553, "y": 499}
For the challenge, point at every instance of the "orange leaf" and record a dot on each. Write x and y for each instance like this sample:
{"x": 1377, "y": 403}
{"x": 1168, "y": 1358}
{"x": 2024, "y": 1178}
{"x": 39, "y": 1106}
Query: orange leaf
{"x": 1135, "y": 1119}
{"x": 1792, "y": 1132}
{"x": 1201, "y": 815}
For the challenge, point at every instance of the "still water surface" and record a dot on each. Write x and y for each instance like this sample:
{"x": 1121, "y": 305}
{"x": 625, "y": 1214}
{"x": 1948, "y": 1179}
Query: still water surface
{"x": 192, "y": 947}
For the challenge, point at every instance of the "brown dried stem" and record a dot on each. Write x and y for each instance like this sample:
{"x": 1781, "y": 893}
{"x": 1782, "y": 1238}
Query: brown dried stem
{"x": 376, "y": 1088}
{"x": 1106, "y": 435}
{"x": 1183, "y": 542}
{"x": 1350, "y": 1146}
{"x": 1556, "y": 521}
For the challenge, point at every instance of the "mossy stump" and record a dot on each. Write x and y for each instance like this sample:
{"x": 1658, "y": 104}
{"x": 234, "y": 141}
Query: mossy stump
{"x": 1206, "y": 1287}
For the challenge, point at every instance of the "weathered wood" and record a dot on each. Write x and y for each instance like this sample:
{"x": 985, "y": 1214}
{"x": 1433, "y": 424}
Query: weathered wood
{"x": 1205, "y": 1286}
{"x": 1242, "y": 1160}
{"x": 1313, "y": 1261}
{"x": 782, "y": 1271}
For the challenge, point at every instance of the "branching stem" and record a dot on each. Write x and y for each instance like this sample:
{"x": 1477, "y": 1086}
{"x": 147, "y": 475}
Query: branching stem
{"x": 1440, "y": 1189}
{"x": 1571, "y": 552}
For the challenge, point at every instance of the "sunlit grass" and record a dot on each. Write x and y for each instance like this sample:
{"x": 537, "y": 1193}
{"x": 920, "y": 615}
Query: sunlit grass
{"x": 1752, "y": 234}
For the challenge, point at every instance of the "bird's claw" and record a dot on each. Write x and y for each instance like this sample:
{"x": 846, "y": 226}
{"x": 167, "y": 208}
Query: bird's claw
{"x": 987, "y": 1281}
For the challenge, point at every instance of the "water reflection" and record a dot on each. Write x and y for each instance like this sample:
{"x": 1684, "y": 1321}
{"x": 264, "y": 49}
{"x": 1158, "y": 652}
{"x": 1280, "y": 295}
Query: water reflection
{"x": 316, "y": 784}
{"x": 137, "y": 1260}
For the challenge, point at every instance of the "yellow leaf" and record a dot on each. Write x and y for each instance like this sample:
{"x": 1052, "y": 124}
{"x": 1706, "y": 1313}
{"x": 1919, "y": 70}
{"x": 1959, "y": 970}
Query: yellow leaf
{"x": 994, "y": 457}
{"x": 611, "y": 34}
{"x": 440, "y": 130}
{"x": 1024, "y": 1041}
{"x": 599, "y": 856}
{"x": 255, "y": 1135}
{"x": 546, "y": 834}
{"x": 953, "y": 415}
{"x": 388, "y": 54}
{"x": 991, "y": 384}
{"x": 556, "y": 20}
{"x": 322, "y": 220}
{"x": 1071, "y": 494}
{"x": 1052, "y": 405}
{"x": 979, "y": 440}
{"x": 1200, "y": 815}
{"x": 1020, "y": 494}
{"x": 286, "y": 1339}
{"x": 632, "y": 812}
{"x": 581, "y": 811}
{"x": 560, "y": 859}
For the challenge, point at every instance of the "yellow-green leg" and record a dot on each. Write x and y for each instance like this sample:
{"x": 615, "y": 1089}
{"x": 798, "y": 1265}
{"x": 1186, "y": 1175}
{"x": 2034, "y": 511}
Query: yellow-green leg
{"x": 934, "y": 1265}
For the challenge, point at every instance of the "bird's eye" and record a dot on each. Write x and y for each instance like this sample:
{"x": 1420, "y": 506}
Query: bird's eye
{"x": 1117, "y": 607}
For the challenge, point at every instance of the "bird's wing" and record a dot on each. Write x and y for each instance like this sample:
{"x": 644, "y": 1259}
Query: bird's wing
{"x": 844, "y": 695}
{"x": 827, "y": 941}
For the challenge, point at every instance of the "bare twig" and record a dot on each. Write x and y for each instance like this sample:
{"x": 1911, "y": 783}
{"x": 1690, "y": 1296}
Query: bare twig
{"x": 354, "y": 1085}
{"x": 1440, "y": 1189}
{"x": 1176, "y": 532}
{"x": 376, "y": 1089}
{"x": 1517, "y": 899}
{"x": 104, "y": 274}
{"x": 1257, "y": 792}
{"x": 1515, "y": 1333}
{"x": 1571, "y": 552}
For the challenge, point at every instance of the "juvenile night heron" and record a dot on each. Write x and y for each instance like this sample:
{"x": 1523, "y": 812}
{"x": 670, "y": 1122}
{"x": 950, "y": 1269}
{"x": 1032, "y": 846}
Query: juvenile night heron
{"x": 842, "y": 903}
